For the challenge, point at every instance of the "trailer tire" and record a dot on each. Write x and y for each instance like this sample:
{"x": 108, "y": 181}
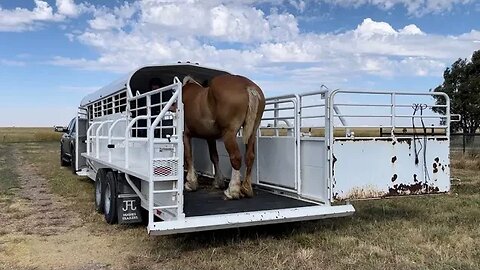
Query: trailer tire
{"x": 110, "y": 198}
{"x": 100, "y": 179}
{"x": 63, "y": 163}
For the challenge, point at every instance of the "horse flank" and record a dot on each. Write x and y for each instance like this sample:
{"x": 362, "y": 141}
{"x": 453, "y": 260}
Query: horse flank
{"x": 250, "y": 119}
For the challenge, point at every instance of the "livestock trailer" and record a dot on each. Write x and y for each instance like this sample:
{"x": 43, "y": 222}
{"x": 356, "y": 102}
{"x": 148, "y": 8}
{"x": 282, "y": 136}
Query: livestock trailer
{"x": 315, "y": 153}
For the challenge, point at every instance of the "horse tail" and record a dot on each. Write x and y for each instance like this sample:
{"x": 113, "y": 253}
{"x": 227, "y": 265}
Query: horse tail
{"x": 250, "y": 119}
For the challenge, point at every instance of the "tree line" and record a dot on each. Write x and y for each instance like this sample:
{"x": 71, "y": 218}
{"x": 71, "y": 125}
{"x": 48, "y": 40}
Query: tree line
{"x": 462, "y": 84}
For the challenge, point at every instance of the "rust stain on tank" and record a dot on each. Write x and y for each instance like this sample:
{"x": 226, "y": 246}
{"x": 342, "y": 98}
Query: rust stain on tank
{"x": 394, "y": 158}
{"x": 405, "y": 140}
{"x": 415, "y": 178}
{"x": 412, "y": 189}
{"x": 333, "y": 164}
{"x": 394, "y": 177}
{"x": 437, "y": 159}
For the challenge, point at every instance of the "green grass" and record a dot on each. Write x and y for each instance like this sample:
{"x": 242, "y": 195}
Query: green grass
{"x": 8, "y": 175}
{"x": 9, "y": 135}
{"x": 427, "y": 232}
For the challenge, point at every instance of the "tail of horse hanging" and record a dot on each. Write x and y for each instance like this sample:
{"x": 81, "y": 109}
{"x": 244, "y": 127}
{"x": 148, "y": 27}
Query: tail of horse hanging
{"x": 251, "y": 118}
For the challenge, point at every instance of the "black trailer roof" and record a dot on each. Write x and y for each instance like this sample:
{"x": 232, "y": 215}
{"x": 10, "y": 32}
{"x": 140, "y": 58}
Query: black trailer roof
{"x": 139, "y": 79}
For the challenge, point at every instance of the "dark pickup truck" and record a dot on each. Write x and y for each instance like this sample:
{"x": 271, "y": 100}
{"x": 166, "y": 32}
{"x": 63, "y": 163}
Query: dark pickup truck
{"x": 67, "y": 145}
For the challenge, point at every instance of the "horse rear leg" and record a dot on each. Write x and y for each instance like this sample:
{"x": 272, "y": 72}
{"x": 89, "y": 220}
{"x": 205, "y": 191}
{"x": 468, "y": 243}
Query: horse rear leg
{"x": 212, "y": 148}
{"x": 230, "y": 140}
{"x": 246, "y": 187}
{"x": 192, "y": 183}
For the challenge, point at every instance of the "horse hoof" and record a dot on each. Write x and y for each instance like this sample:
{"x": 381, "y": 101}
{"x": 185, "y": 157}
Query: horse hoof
{"x": 220, "y": 184}
{"x": 247, "y": 192}
{"x": 191, "y": 187}
{"x": 231, "y": 195}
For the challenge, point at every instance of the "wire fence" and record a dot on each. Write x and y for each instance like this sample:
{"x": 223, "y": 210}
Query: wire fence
{"x": 465, "y": 142}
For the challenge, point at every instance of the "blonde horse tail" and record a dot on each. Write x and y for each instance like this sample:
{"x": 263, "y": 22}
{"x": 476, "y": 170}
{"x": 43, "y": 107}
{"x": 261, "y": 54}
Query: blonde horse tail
{"x": 250, "y": 119}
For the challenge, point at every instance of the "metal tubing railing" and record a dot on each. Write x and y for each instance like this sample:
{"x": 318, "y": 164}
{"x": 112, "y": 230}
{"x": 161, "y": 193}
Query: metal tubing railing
{"x": 89, "y": 137}
{"x": 97, "y": 137}
{"x": 110, "y": 138}
{"x": 330, "y": 115}
{"x": 177, "y": 97}
{"x": 127, "y": 137}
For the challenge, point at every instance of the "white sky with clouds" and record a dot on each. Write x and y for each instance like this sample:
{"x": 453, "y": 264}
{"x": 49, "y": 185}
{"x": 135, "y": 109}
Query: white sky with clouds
{"x": 264, "y": 40}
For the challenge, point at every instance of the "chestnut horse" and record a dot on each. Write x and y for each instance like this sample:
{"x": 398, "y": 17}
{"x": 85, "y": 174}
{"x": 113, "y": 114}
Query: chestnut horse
{"x": 218, "y": 112}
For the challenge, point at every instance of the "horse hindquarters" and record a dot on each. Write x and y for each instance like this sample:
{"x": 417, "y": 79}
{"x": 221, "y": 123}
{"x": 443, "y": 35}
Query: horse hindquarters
{"x": 252, "y": 122}
{"x": 256, "y": 105}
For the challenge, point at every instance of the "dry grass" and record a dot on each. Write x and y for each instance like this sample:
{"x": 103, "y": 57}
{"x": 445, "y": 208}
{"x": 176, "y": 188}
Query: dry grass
{"x": 9, "y": 135}
{"x": 469, "y": 161}
{"x": 429, "y": 232}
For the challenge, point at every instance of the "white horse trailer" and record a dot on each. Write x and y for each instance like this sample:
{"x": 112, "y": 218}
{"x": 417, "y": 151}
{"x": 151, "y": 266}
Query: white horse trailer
{"x": 315, "y": 152}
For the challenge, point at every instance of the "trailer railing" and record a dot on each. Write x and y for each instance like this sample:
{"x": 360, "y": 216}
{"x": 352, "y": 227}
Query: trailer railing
{"x": 163, "y": 170}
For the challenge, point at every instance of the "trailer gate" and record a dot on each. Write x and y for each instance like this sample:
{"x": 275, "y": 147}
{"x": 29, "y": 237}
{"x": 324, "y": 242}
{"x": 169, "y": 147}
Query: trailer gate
{"x": 310, "y": 153}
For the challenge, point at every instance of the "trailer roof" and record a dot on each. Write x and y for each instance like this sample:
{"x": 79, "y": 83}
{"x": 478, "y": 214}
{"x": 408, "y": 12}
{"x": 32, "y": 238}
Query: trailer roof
{"x": 138, "y": 80}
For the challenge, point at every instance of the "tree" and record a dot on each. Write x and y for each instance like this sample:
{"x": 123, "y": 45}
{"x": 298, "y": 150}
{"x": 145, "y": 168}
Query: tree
{"x": 462, "y": 85}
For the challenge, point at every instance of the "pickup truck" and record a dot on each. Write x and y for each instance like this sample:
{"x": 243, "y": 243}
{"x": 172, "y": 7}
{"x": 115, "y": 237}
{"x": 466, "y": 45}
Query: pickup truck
{"x": 67, "y": 145}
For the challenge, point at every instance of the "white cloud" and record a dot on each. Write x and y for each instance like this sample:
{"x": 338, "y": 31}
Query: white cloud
{"x": 369, "y": 28}
{"x": 12, "y": 63}
{"x": 411, "y": 29}
{"x": 105, "y": 19}
{"x": 162, "y": 31}
{"x": 22, "y": 19}
{"x": 68, "y": 8}
{"x": 234, "y": 22}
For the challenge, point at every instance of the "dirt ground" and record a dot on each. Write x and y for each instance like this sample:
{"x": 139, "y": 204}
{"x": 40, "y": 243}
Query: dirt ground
{"x": 48, "y": 222}
{"x": 41, "y": 230}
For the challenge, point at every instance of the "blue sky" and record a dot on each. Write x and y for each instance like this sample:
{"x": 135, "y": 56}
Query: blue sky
{"x": 52, "y": 53}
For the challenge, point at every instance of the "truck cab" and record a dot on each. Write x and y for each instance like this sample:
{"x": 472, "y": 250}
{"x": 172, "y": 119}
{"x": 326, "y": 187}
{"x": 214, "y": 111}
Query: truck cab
{"x": 67, "y": 144}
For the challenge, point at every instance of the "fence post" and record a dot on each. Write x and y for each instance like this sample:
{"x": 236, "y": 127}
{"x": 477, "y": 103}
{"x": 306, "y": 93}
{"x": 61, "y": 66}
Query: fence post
{"x": 463, "y": 142}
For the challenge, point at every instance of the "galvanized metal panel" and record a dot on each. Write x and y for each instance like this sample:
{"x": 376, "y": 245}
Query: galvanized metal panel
{"x": 313, "y": 182}
{"x": 276, "y": 157}
{"x": 370, "y": 168}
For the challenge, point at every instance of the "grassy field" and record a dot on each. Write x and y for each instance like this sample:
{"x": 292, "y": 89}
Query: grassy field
{"x": 8, "y": 135}
{"x": 436, "y": 232}
{"x": 8, "y": 177}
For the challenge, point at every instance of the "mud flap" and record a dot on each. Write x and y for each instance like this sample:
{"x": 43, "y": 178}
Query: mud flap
{"x": 129, "y": 209}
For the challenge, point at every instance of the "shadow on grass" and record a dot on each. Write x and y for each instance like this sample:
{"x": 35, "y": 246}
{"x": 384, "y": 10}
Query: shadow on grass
{"x": 366, "y": 217}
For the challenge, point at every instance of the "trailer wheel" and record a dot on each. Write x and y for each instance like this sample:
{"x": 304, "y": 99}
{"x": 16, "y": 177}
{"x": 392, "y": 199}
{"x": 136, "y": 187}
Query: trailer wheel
{"x": 63, "y": 163}
{"x": 110, "y": 199}
{"x": 100, "y": 179}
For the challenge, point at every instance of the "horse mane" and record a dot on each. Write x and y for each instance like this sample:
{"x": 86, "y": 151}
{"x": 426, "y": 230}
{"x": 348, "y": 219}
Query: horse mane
{"x": 190, "y": 79}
